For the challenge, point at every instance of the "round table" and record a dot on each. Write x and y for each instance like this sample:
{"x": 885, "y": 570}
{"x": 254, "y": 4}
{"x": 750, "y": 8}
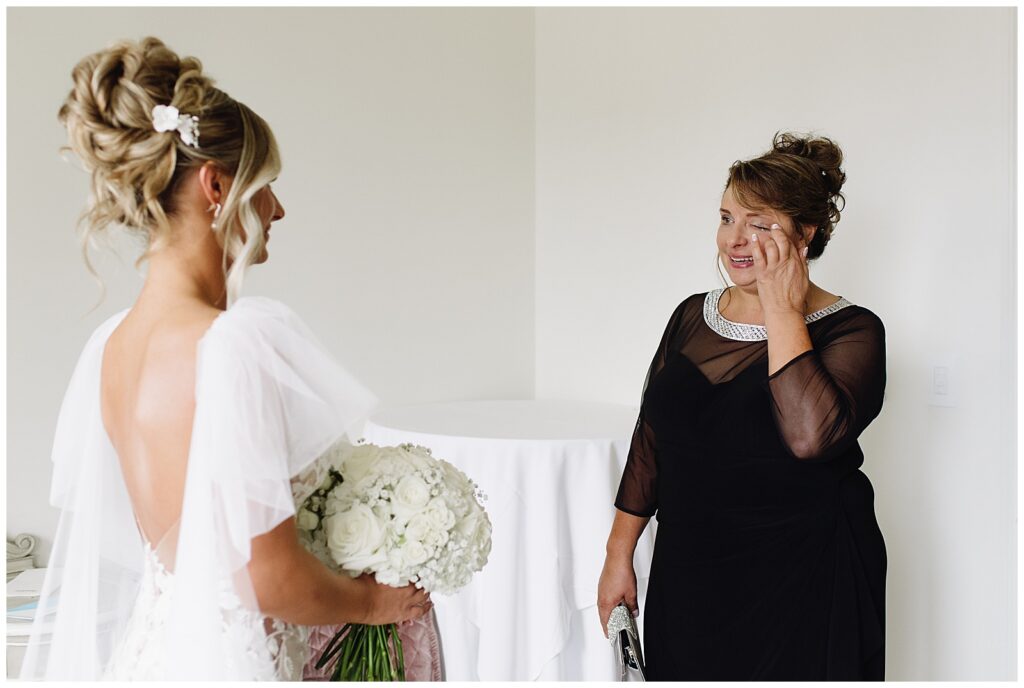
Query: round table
{"x": 550, "y": 471}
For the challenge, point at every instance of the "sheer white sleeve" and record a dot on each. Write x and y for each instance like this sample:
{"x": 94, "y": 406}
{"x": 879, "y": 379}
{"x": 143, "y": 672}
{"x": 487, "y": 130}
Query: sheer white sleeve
{"x": 269, "y": 401}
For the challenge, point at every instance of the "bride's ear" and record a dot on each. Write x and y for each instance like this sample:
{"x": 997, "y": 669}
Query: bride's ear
{"x": 213, "y": 182}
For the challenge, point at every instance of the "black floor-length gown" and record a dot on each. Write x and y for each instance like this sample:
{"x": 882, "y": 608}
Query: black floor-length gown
{"x": 768, "y": 562}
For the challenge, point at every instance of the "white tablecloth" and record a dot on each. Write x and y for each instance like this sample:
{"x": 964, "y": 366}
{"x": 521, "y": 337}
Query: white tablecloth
{"x": 550, "y": 470}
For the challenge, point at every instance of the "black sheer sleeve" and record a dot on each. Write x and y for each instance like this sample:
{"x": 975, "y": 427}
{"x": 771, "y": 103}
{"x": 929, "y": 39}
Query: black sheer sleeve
{"x": 824, "y": 398}
{"x": 638, "y": 493}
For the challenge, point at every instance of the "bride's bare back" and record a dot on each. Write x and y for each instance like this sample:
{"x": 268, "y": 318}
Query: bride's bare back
{"x": 148, "y": 404}
{"x": 147, "y": 397}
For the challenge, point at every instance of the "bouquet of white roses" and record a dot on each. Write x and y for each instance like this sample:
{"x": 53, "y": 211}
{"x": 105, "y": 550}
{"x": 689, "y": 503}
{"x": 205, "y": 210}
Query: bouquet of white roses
{"x": 404, "y": 516}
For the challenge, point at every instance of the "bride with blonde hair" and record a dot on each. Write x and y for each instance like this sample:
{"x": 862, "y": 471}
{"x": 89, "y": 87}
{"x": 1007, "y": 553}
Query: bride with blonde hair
{"x": 194, "y": 420}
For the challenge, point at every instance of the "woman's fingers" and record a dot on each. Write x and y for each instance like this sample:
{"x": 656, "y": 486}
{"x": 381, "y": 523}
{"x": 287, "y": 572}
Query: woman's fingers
{"x": 417, "y": 603}
{"x": 771, "y": 251}
{"x": 419, "y": 606}
{"x": 421, "y": 610}
{"x": 631, "y": 604}
{"x": 603, "y": 612}
{"x": 416, "y": 594}
{"x": 757, "y": 250}
{"x": 782, "y": 242}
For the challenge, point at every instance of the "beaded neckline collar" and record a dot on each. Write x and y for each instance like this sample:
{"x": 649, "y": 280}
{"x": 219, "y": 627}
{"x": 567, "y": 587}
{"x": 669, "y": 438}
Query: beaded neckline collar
{"x": 745, "y": 332}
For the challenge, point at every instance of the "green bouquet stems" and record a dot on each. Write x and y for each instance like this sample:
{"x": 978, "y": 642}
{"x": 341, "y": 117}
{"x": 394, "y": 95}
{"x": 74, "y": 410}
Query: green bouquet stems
{"x": 365, "y": 653}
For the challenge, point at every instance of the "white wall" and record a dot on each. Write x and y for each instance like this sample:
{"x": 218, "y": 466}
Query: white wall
{"x": 639, "y": 114}
{"x": 407, "y": 138}
{"x": 493, "y": 203}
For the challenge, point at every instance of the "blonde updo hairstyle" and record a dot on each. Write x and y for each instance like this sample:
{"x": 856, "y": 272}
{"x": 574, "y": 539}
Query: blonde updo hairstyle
{"x": 800, "y": 177}
{"x": 136, "y": 170}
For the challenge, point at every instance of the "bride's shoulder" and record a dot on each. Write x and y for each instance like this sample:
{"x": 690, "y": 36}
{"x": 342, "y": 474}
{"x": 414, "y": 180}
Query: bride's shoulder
{"x": 109, "y": 325}
{"x": 262, "y": 331}
{"x": 98, "y": 337}
{"x": 257, "y": 309}
{"x": 259, "y": 316}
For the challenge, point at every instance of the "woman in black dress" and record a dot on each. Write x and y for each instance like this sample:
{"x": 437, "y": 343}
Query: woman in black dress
{"x": 768, "y": 561}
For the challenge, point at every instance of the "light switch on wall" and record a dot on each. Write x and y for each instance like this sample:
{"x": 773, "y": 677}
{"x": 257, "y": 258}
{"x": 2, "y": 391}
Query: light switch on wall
{"x": 942, "y": 389}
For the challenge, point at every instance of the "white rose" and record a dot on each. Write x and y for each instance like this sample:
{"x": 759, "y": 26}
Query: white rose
{"x": 418, "y": 528}
{"x": 456, "y": 479}
{"x": 410, "y": 497}
{"x": 457, "y": 502}
{"x": 458, "y": 489}
{"x": 358, "y": 462}
{"x": 476, "y": 528}
{"x": 421, "y": 529}
{"x": 439, "y": 515}
{"x": 307, "y": 520}
{"x": 437, "y": 538}
{"x": 356, "y": 538}
{"x": 467, "y": 525}
{"x": 415, "y": 552}
{"x": 481, "y": 536}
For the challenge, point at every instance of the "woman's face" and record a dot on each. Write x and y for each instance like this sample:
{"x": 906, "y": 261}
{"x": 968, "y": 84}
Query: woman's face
{"x": 736, "y": 225}
{"x": 270, "y": 210}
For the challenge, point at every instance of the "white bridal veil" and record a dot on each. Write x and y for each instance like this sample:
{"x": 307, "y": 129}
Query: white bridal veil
{"x": 269, "y": 401}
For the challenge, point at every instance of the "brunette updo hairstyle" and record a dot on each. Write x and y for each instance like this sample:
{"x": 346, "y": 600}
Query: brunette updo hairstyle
{"x": 137, "y": 170}
{"x": 799, "y": 177}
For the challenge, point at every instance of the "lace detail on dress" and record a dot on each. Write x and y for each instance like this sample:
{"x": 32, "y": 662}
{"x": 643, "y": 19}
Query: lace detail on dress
{"x": 277, "y": 650}
{"x": 138, "y": 656}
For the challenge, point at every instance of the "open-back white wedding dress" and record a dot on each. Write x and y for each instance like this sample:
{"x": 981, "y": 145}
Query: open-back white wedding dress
{"x": 270, "y": 401}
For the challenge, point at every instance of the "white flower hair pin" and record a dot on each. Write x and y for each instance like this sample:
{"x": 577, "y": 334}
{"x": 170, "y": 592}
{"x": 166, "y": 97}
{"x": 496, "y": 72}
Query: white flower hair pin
{"x": 167, "y": 118}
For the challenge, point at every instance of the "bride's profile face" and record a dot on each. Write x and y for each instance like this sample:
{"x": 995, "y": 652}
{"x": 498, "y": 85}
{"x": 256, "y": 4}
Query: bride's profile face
{"x": 270, "y": 210}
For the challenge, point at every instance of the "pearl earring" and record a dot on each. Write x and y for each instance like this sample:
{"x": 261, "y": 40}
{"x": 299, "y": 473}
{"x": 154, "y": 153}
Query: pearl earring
{"x": 215, "y": 207}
